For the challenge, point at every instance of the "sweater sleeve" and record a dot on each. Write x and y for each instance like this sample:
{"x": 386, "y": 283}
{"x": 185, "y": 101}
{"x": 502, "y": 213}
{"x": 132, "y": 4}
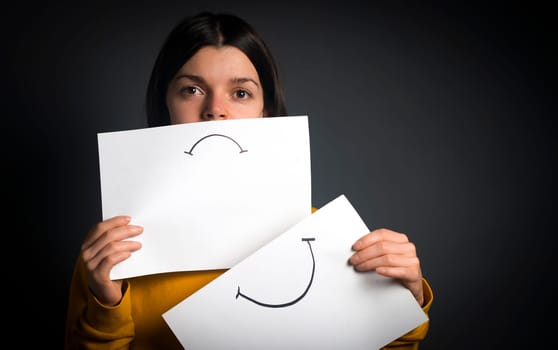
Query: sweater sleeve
{"x": 92, "y": 325}
{"x": 411, "y": 340}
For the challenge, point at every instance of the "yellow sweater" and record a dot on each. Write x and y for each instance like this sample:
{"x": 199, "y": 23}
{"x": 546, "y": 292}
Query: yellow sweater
{"x": 136, "y": 323}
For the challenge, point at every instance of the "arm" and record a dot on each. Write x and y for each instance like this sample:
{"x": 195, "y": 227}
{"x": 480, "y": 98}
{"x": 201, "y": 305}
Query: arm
{"x": 99, "y": 309}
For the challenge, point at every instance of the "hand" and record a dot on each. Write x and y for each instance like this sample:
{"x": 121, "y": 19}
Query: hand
{"x": 390, "y": 254}
{"x": 105, "y": 246}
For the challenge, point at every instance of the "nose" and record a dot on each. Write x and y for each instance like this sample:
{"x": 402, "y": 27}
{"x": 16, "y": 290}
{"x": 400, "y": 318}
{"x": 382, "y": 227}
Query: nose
{"x": 209, "y": 115}
{"x": 214, "y": 108}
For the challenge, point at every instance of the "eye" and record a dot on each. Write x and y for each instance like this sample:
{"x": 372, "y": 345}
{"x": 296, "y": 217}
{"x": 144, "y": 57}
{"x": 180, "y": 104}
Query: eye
{"x": 242, "y": 94}
{"x": 190, "y": 90}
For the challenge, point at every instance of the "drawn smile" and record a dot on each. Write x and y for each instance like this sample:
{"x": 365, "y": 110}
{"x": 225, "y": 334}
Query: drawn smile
{"x": 239, "y": 294}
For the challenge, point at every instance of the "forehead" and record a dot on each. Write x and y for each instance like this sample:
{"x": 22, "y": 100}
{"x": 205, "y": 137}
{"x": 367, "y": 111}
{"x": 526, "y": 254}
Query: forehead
{"x": 212, "y": 62}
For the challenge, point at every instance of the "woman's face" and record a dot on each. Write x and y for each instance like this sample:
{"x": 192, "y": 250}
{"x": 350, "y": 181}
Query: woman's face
{"x": 216, "y": 83}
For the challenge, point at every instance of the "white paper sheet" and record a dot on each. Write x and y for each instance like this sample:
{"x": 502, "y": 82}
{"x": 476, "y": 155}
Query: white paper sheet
{"x": 207, "y": 194}
{"x": 298, "y": 292}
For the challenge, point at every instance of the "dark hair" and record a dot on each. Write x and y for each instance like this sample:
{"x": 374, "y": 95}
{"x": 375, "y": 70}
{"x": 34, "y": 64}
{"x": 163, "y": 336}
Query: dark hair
{"x": 203, "y": 29}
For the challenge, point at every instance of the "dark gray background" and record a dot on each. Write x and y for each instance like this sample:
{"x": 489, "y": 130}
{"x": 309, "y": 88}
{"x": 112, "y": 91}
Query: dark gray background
{"x": 435, "y": 120}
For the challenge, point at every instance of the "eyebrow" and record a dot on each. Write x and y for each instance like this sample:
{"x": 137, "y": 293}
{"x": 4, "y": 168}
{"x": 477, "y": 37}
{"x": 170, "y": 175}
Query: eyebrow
{"x": 200, "y": 80}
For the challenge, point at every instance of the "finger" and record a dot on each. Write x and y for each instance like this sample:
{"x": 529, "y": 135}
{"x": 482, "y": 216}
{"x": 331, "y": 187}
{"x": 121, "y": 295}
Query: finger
{"x": 402, "y": 273}
{"x": 383, "y": 248}
{"x": 387, "y": 261}
{"x": 101, "y": 272}
{"x": 101, "y": 227}
{"x": 378, "y": 235}
{"x": 115, "y": 234}
{"x": 112, "y": 253}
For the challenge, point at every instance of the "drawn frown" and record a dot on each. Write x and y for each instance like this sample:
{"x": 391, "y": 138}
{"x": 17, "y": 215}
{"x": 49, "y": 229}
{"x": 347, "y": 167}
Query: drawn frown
{"x": 190, "y": 152}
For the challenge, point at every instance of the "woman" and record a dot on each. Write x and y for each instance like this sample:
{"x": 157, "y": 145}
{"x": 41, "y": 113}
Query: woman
{"x": 211, "y": 67}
